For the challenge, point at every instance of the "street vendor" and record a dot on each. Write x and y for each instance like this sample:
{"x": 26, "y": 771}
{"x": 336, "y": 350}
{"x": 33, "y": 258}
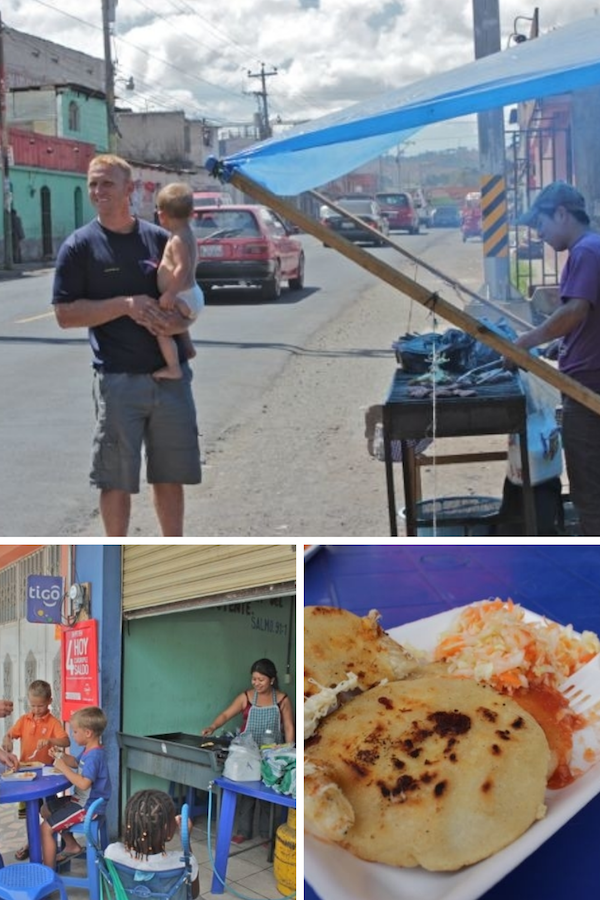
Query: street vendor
{"x": 561, "y": 220}
{"x": 265, "y": 709}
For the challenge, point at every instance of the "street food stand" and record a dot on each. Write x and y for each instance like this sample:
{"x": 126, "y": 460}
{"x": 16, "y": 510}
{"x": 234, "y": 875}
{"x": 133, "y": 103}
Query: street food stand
{"x": 493, "y": 409}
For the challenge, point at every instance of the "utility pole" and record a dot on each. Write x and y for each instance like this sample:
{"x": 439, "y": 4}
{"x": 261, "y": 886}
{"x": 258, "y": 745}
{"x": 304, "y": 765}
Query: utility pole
{"x": 486, "y": 22}
{"x": 4, "y": 144}
{"x": 108, "y": 19}
{"x": 265, "y": 130}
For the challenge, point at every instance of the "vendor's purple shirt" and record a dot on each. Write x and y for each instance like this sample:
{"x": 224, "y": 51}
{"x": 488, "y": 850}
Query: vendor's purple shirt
{"x": 579, "y": 354}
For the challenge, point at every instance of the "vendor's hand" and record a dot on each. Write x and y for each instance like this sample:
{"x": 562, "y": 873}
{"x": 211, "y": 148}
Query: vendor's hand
{"x": 7, "y": 744}
{"x": 43, "y": 742}
{"x": 524, "y": 344}
{"x": 206, "y": 731}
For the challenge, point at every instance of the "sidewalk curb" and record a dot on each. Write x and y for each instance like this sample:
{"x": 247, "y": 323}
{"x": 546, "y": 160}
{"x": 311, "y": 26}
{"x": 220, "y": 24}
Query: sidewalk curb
{"x": 22, "y": 270}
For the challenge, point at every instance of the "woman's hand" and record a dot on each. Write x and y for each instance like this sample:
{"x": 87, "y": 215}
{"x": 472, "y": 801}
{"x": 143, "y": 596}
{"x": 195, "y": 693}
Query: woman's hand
{"x": 206, "y": 731}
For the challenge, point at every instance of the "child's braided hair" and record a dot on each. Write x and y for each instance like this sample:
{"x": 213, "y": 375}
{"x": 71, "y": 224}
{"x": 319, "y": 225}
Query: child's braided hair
{"x": 149, "y": 823}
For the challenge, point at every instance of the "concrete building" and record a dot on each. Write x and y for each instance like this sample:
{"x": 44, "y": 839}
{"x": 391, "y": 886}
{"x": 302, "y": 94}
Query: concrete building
{"x": 56, "y": 118}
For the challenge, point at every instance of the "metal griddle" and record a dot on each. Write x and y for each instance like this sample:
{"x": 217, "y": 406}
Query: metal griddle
{"x": 182, "y": 758}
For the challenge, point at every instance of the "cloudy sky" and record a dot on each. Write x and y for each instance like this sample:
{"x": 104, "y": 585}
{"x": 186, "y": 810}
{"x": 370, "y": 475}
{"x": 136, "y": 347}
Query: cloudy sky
{"x": 196, "y": 54}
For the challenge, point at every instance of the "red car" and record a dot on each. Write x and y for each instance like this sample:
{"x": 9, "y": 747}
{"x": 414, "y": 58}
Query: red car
{"x": 399, "y": 209}
{"x": 246, "y": 246}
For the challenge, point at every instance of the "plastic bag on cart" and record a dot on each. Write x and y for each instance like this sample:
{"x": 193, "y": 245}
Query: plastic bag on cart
{"x": 278, "y": 769}
{"x": 481, "y": 353}
{"x": 243, "y": 759}
{"x": 543, "y": 434}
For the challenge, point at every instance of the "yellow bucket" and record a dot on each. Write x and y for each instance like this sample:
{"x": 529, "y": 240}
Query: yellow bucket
{"x": 284, "y": 860}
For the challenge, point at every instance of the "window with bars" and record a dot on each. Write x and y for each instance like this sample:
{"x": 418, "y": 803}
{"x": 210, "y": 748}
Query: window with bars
{"x": 13, "y": 580}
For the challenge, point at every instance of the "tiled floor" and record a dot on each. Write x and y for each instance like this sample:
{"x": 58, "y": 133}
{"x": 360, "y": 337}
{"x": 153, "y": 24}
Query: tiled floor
{"x": 249, "y": 873}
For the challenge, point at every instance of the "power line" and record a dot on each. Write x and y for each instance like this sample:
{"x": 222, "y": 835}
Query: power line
{"x": 265, "y": 126}
{"x": 187, "y": 76}
{"x": 283, "y": 104}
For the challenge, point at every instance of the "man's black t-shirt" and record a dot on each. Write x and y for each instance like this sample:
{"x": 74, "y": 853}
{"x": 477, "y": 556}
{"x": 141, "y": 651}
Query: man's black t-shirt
{"x": 96, "y": 264}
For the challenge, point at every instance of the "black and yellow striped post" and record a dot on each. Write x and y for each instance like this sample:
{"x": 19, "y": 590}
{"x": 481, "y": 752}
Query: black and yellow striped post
{"x": 495, "y": 236}
{"x": 494, "y": 216}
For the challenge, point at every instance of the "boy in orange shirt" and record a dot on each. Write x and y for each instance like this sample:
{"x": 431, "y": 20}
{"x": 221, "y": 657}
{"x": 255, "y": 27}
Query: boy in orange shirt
{"x": 38, "y": 730}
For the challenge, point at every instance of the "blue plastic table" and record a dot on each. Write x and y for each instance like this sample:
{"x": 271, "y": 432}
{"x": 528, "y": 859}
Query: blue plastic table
{"x": 230, "y": 790}
{"x": 408, "y": 583}
{"x": 30, "y": 792}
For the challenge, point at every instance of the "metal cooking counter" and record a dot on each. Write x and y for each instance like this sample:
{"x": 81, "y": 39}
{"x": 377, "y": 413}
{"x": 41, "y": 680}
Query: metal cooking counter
{"x": 181, "y": 758}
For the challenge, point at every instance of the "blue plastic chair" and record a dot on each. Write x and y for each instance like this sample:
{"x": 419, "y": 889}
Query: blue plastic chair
{"x": 170, "y": 884}
{"x": 29, "y": 881}
{"x": 94, "y": 829}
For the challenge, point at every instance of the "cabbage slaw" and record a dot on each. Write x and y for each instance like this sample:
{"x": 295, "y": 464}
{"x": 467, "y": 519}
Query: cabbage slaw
{"x": 491, "y": 642}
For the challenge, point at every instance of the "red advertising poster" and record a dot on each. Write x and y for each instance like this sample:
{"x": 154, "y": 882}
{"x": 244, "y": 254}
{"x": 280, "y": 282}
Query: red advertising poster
{"x": 79, "y": 663}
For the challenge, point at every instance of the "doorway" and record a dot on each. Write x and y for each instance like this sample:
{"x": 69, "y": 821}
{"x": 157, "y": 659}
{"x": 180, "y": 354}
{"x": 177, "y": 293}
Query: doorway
{"x": 46, "y": 211}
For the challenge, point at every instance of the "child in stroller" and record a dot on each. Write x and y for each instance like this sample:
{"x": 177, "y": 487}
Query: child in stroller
{"x": 150, "y": 823}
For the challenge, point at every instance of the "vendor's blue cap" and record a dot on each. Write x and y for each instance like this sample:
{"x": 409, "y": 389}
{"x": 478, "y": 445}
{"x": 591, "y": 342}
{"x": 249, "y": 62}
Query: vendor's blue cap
{"x": 558, "y": 193}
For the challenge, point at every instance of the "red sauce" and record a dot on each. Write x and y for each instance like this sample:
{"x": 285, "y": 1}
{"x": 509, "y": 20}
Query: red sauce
{"x": 551, "y": 711}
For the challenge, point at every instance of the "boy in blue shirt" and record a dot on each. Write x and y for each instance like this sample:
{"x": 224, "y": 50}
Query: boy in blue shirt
{"x": 89, "y": 775}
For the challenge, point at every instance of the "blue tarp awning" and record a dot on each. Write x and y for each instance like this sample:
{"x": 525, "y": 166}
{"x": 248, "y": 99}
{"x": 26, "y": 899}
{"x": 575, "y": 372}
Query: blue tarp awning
{"x": 317, "y": 152}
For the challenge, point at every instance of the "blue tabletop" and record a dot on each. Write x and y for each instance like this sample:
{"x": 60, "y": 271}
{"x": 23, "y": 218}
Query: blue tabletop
{"x": 256, "y": 789}
{"x": 409, "y": 582}
{"x": 39, "y": 787}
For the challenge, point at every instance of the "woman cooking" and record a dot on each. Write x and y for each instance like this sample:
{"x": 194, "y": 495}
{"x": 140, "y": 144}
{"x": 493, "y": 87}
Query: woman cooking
{"x": 265, "y": 709}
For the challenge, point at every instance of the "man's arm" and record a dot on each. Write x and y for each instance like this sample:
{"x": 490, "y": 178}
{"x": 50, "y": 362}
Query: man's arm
{"x": 561, "y": 322}
{"x": 141, "y": 308}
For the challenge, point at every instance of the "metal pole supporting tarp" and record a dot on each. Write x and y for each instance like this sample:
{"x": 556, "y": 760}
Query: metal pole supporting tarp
{"x": 431, "y": 300}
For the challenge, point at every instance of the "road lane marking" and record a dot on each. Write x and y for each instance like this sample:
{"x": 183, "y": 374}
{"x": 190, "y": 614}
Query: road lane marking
{"x": 34, "y": 318}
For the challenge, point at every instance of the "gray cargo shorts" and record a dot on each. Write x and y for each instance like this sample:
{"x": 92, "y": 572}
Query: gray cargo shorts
{"x": 135, "y": 411}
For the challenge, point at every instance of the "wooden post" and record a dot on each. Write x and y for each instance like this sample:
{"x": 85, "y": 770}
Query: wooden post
{"x": 433, "y": 301}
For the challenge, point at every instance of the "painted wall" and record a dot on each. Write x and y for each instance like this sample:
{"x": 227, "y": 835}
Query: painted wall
{"x": 27, "y": 185}
{"x": 181, "y": 669}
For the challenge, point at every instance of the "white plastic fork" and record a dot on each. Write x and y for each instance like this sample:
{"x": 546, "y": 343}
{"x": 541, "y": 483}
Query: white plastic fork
{"x": 582, "y": 689}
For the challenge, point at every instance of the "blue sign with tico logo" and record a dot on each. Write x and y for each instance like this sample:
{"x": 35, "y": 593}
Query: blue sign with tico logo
{"x": 44, "y": 598}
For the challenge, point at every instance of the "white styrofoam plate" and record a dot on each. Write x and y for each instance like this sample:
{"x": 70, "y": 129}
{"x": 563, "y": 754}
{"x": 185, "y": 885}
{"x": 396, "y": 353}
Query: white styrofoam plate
{"x": 336, "y": 874}
{"x": 18, "y": 776}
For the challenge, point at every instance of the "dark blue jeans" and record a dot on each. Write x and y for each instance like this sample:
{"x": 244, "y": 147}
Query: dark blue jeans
{"x": 581, "y": 442}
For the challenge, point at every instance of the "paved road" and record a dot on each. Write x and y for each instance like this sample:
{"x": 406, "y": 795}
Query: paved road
{"x": 276, "y": 389}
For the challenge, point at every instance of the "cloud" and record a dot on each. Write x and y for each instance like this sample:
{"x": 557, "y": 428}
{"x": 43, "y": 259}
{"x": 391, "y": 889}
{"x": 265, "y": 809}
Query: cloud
{"x": 328, "y": 53}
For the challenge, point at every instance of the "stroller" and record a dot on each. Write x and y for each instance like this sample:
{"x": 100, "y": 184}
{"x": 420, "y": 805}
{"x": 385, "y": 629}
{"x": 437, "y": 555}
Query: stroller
{"x": 119, "y": 882}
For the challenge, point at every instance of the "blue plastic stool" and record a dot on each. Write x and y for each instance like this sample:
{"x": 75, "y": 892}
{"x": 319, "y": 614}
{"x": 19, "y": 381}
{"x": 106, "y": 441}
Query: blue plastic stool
{"x": 29, "y": 881}
{"x": 94, "y": 830}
